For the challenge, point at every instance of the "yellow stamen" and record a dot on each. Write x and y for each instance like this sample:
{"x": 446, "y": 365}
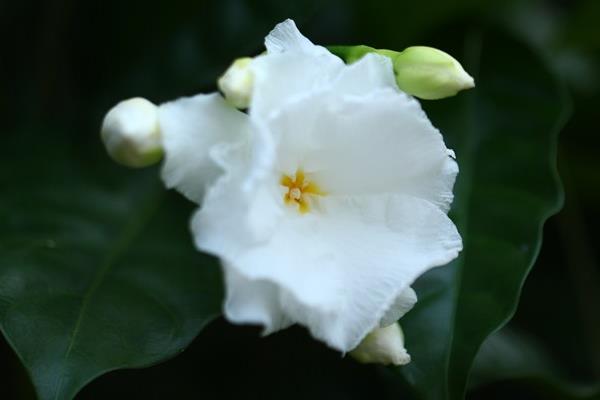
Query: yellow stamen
{"x": 299, "y": 191}
{"x": 312, "y": 188}
{"x": 286, "y": 181}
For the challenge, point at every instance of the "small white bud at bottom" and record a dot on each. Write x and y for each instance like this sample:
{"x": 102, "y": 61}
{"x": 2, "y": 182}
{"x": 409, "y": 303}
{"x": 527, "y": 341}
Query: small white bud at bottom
{"x": 383, "y": 346}
{"x": 237, "y": 83}
{"x": 131, "y": 134}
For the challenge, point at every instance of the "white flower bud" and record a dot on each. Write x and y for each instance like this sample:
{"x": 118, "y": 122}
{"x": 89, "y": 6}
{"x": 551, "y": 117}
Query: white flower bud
{"x": 237, "y": 83}
{"x": 383, "y": 346}
{"x": 430, "y": 73}
{"x": 131, "y": 133}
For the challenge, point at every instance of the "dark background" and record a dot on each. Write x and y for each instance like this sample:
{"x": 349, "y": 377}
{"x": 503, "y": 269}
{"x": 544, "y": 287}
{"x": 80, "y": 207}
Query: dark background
{"x": 64, "y": 63}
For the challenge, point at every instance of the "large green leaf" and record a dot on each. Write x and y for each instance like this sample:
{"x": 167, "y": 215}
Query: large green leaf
{"x": 97, "y": 269}
{"x": 513, "y": 355}
{"x": 504, "y": 133}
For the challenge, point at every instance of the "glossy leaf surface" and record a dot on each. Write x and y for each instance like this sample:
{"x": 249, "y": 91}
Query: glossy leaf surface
{"x": 97, "y": 268}
{"x": 504, "y": 133}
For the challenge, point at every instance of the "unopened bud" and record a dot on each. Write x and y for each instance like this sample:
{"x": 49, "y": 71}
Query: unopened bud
{"x": 383, "y": 346}
{"x": 131, "y": 133}
{"x": 421, "y": 71}
{"x": 237, "y": 82}
{"x": 430, "y": 73}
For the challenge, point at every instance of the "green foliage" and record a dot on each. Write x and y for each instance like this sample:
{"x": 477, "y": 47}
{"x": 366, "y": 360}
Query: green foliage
{"x": 513, "y": 355}
{"x": 504, "y": 133}
{"x": 98, "y": 271}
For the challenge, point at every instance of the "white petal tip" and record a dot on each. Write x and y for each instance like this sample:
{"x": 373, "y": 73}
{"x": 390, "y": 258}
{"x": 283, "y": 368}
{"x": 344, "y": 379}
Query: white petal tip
{"x": 286, "y": 37}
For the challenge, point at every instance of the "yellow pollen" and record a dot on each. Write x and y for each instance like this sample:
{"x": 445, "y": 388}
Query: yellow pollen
{"x": 299, "y": 190}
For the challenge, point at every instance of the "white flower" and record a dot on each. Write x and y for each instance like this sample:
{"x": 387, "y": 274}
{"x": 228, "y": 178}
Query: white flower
{"x": 326, "y": 201}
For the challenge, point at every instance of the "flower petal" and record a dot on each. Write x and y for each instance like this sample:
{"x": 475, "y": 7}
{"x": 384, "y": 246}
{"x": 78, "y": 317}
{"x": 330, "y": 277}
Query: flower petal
{"x": 342, "y": 267}
{"x": 376, "y": 143}
{"x": 239, "y": 210}
{"x": 253, "y": 301}
{"x": 403, "y": 304}
{"x": 280, "y": 78}
{"x": 370, "y": 73}
{"x": 286, "y": 37}
{"x": 292, "y": 67}
{"x": 190, "y": 127}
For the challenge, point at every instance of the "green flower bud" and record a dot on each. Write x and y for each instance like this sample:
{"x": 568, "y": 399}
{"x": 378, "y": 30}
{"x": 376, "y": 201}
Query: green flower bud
{"x": 421, "y": 71}
{"x": 430, "y": 73}
{"x": 237, "y": 82}
{"x": 383, "y": 346}
{"x": 131, "y": 133}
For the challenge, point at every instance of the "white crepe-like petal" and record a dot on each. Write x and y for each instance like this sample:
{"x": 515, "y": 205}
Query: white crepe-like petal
{"x": 286, "y": 37}
{"x": 232, "y": 219}
{"x": 280, "y": 78}
{"x": 190, "y": 127}
{"x": 255, "y": 302}
{"x": 367, "y": 75}
{"x": 342, "y": 267}
{"x": 440, "y": 190}
{"x": 292, "y": 67}
{"x": 239, "y": 210}
{"x": 402, "y": 304}
{"x": 377, "y": 143}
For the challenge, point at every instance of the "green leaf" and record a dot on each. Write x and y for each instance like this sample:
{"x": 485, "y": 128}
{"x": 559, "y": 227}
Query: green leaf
{"x": 97, "y": 267}
{"x": 512, "y": 355}
{"x": 504, "y": 133}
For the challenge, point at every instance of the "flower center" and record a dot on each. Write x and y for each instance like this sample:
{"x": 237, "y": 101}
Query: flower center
{"x": 295, "y": 194}
{"x": 299, "y": 191}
